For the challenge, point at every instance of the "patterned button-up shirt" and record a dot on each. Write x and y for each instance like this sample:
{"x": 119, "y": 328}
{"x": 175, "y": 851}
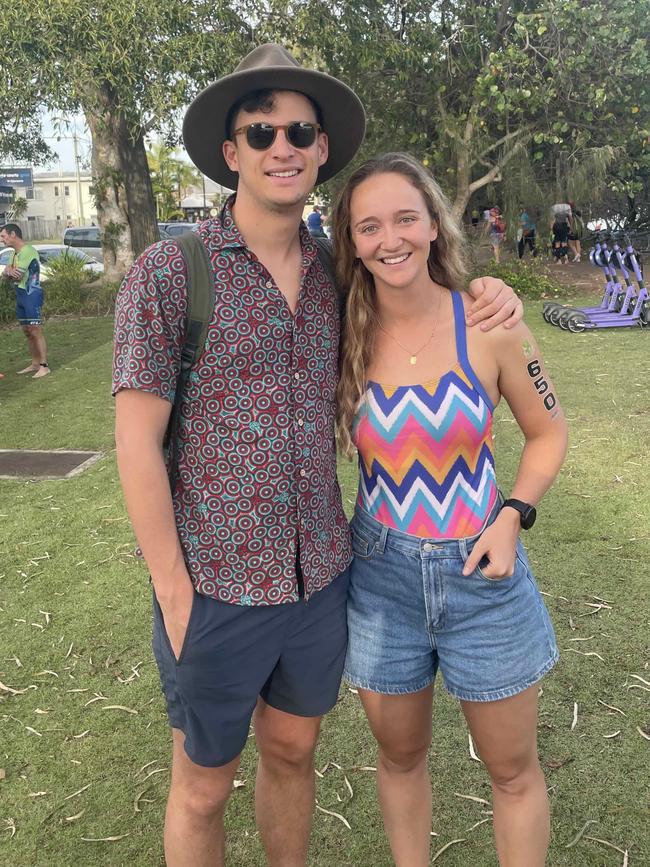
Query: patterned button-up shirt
{"x": 256, "y": 478}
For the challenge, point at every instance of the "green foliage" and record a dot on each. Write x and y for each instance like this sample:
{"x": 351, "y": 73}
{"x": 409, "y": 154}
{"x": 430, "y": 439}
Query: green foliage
{"x": 7, "y": 300}
{"x": 18, "y": 208}
{"x": 111, "y": 233}
{"x": 66, "y": 286}
{"x": 170, "y": 178}
{"x": 527, "y": 278}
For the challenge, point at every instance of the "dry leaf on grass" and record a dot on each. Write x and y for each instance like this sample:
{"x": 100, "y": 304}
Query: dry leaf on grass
{"x": 9, "y": 825}
{"x": 643, "y": 733}
{"x": 612, "y": 707}
{"x": 476, "y": 824}
{"x": 12, "y": 691}
{"x": 472, "y": 798}
{"x": 574, "y": 722}
{"x": 610, "y": 846}
{"x": 336, "y": 815}
{"x": 472, "y": 751}
{"x": 119, "y": 707}
{"x": 75, "y": 817}
{"x": 445, "y": 847}
{"x": 582, "y": 830}
{"x": 613, "y": 734}
{"x": 153, "y": 773}
{"x": 105, "y": 839}
{"x": 583, "y": 653}
{"x": 237, "y": 784}
{"x": 78, "y": 792}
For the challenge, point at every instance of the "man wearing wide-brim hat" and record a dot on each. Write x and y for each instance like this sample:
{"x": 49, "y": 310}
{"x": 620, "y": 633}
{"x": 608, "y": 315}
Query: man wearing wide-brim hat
{"x": 248, "y": 554}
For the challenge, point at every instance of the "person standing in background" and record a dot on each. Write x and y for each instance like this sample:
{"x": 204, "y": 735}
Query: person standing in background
{"x": 526, "y": 233}
{"x": 497, "y": 232}
{"x": 576, "y": 233}
{"x": 25, "y": 272}
{"x": 315, "y": 222}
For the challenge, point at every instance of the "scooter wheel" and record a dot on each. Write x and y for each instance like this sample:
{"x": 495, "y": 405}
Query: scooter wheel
{"x": 554, "y": 316}
{"x": 645, "y": 314}
{"x": 563, "y": 319}
{"x": 576, "y": 324}
{"x": 620, "y": 298}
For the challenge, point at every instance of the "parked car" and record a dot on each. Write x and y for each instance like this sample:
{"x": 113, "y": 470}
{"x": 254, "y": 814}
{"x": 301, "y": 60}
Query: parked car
{"x": 84, "y": 238}
{"x": 48, "y": 252}
{"x": 173, "y": 229}
{"x": 88, "y": 238}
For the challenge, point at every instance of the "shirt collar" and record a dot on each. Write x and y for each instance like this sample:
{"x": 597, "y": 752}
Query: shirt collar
{"x": 221, "y": 233}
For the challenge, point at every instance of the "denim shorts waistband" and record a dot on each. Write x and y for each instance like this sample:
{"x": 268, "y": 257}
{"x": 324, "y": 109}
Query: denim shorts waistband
{"x": 382, "y": 536}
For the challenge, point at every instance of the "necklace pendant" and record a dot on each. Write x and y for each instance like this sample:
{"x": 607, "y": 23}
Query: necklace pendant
{"x": 414, "y": 358}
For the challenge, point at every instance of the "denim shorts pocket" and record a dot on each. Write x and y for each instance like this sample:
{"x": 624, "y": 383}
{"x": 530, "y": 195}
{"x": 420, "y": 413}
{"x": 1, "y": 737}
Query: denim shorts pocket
{"x": 161, "y": 624}
{"x": 362, "y": 546}
{"x": 480, "y": 574}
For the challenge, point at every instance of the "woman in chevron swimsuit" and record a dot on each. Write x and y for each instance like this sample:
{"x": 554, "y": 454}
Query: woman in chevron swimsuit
{"x": 440, "y": 579}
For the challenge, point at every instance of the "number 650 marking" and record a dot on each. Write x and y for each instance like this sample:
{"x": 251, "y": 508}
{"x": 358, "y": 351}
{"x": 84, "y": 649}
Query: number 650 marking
{"x": 541, "y": 385}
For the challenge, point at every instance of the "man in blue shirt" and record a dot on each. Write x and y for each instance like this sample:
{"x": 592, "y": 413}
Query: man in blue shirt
{"x": 315, "y": 223}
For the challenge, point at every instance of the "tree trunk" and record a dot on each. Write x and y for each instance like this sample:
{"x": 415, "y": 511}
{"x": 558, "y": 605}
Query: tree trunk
{"x": 141, "y": 205}
{"x": 122, "y": 185}
{"x": 463, "y": 180}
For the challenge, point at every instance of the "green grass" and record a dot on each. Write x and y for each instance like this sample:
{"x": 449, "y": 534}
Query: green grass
{"x": 67, "y": 550}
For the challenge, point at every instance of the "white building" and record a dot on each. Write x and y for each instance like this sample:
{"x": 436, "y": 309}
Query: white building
{"x": 61, "y": 197}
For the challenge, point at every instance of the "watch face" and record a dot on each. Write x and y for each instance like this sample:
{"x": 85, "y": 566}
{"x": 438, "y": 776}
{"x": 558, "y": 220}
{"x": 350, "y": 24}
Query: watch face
{"x": 528, "y": 517}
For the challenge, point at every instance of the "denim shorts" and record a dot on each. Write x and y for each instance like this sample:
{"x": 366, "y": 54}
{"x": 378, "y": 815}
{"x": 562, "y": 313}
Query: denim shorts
{"x": 410, "y": 610}
{"x": 291, "y": 655}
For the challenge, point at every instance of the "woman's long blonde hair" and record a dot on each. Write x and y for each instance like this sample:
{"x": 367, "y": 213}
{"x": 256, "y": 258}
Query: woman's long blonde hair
{"x": 446, "y": 267}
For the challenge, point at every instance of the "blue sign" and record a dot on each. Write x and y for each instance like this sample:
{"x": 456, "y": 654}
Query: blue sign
{"x": 17, "y": 177}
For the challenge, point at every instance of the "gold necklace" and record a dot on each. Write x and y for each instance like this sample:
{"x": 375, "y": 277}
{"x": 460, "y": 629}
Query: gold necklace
{"x": 413, "y": 356}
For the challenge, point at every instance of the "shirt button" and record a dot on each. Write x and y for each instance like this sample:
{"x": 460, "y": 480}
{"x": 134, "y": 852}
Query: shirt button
{"x": 303, "y": 473}
{"x": 269, "y": 284}
{"x": 296, "y": 375}
{"x": 427, "y": 547}
{"x": 301, "y": 422}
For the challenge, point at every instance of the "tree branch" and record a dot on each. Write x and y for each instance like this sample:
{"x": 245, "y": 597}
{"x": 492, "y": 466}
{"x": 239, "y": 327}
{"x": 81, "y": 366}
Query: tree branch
{"x": 508, "y": 137}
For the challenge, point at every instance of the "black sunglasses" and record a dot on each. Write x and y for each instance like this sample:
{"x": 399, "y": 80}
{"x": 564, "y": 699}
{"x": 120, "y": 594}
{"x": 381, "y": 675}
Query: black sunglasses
{"x": 261, "y": 136}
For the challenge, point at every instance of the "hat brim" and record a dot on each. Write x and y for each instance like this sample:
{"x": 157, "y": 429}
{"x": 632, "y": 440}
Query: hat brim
{"x": 204, "y": 126}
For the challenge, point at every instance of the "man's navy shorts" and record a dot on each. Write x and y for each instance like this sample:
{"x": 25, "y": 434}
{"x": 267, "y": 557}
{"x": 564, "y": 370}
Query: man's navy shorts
{"x": 29, "y": 307}
{"x": 291, "y": 655}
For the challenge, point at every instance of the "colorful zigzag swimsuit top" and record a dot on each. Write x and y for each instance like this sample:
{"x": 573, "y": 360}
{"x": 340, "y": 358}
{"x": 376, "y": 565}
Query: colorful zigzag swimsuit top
{"x": 425, "y": 451}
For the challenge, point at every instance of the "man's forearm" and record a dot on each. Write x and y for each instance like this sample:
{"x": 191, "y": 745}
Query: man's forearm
{"x": 149, "y": 503}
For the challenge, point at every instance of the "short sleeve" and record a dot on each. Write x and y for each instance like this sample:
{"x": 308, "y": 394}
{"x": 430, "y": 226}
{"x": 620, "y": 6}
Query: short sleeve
{"x": 150, "y": 314}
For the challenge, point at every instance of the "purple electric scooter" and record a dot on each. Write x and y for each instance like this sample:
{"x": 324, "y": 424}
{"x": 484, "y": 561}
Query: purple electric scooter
{"x": 554, "y": 312}
{"x": 635, "y": 307}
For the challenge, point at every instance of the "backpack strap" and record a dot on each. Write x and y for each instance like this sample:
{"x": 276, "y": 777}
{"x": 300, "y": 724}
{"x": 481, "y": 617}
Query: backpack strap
{"x": 200, "y": 306}
{"x": 326, "y": 256}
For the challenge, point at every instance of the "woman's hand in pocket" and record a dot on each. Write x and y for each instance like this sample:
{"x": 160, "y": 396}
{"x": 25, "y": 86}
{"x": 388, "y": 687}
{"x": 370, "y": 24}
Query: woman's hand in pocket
{"x": 498, "y": 544}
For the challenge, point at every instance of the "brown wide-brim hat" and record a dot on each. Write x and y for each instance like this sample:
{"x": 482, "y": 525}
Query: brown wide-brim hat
{"x": 271, "y": 66}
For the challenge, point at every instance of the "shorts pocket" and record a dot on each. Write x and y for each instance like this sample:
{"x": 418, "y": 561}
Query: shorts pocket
{"x": 480, "y": 574}
{"x": 362, "y": 546}
{"x": 188, "y": 631}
